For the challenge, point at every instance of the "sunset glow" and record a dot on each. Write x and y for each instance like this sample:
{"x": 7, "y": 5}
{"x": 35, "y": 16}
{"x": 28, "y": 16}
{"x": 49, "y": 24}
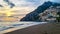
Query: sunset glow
{"x": 7, "y": 11}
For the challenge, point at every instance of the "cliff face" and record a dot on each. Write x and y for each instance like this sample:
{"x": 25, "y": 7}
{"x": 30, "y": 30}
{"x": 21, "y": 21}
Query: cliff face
{"x": 49, "y": 14}
{"x": 34, "y": 15}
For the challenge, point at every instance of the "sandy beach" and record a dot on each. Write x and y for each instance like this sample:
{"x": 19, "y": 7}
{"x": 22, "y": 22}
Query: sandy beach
{"x": 47, "y": 28}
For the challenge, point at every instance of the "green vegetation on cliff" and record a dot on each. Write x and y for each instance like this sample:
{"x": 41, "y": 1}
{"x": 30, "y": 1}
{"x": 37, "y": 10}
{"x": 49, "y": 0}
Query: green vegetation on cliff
{"x": 58, "y": 18}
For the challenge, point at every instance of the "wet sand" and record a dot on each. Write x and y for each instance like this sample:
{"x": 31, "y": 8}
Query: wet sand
{"x": 49, "y": 28}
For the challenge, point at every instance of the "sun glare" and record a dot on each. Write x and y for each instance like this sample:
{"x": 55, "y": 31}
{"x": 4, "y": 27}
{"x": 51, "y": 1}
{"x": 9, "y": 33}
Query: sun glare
{"x": 7, "y": 11}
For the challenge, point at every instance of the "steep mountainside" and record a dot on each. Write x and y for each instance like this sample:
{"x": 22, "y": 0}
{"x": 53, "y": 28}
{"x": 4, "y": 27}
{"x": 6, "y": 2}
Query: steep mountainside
{"x": 34, "y": 15}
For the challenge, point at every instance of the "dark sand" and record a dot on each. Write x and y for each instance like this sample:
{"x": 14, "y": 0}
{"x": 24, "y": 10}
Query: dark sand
{"x": 49, "y": 28}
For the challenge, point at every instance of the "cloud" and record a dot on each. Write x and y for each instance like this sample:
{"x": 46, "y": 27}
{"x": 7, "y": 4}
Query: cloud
{"x": 28, "y": 3}
{"x": 25, "y": 3}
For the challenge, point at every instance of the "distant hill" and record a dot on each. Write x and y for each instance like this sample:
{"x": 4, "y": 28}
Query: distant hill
{"x": 34, "y": 15}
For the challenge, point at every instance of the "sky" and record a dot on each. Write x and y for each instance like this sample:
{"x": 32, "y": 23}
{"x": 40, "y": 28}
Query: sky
{"x": 22, "y": 6}
{"x": 28, "y": 3}
{"x": 35, "y": 3}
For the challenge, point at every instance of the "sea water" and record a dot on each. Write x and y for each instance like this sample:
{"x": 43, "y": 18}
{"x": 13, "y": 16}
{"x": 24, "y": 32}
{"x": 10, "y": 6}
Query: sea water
{"x": 9, "y": 25}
